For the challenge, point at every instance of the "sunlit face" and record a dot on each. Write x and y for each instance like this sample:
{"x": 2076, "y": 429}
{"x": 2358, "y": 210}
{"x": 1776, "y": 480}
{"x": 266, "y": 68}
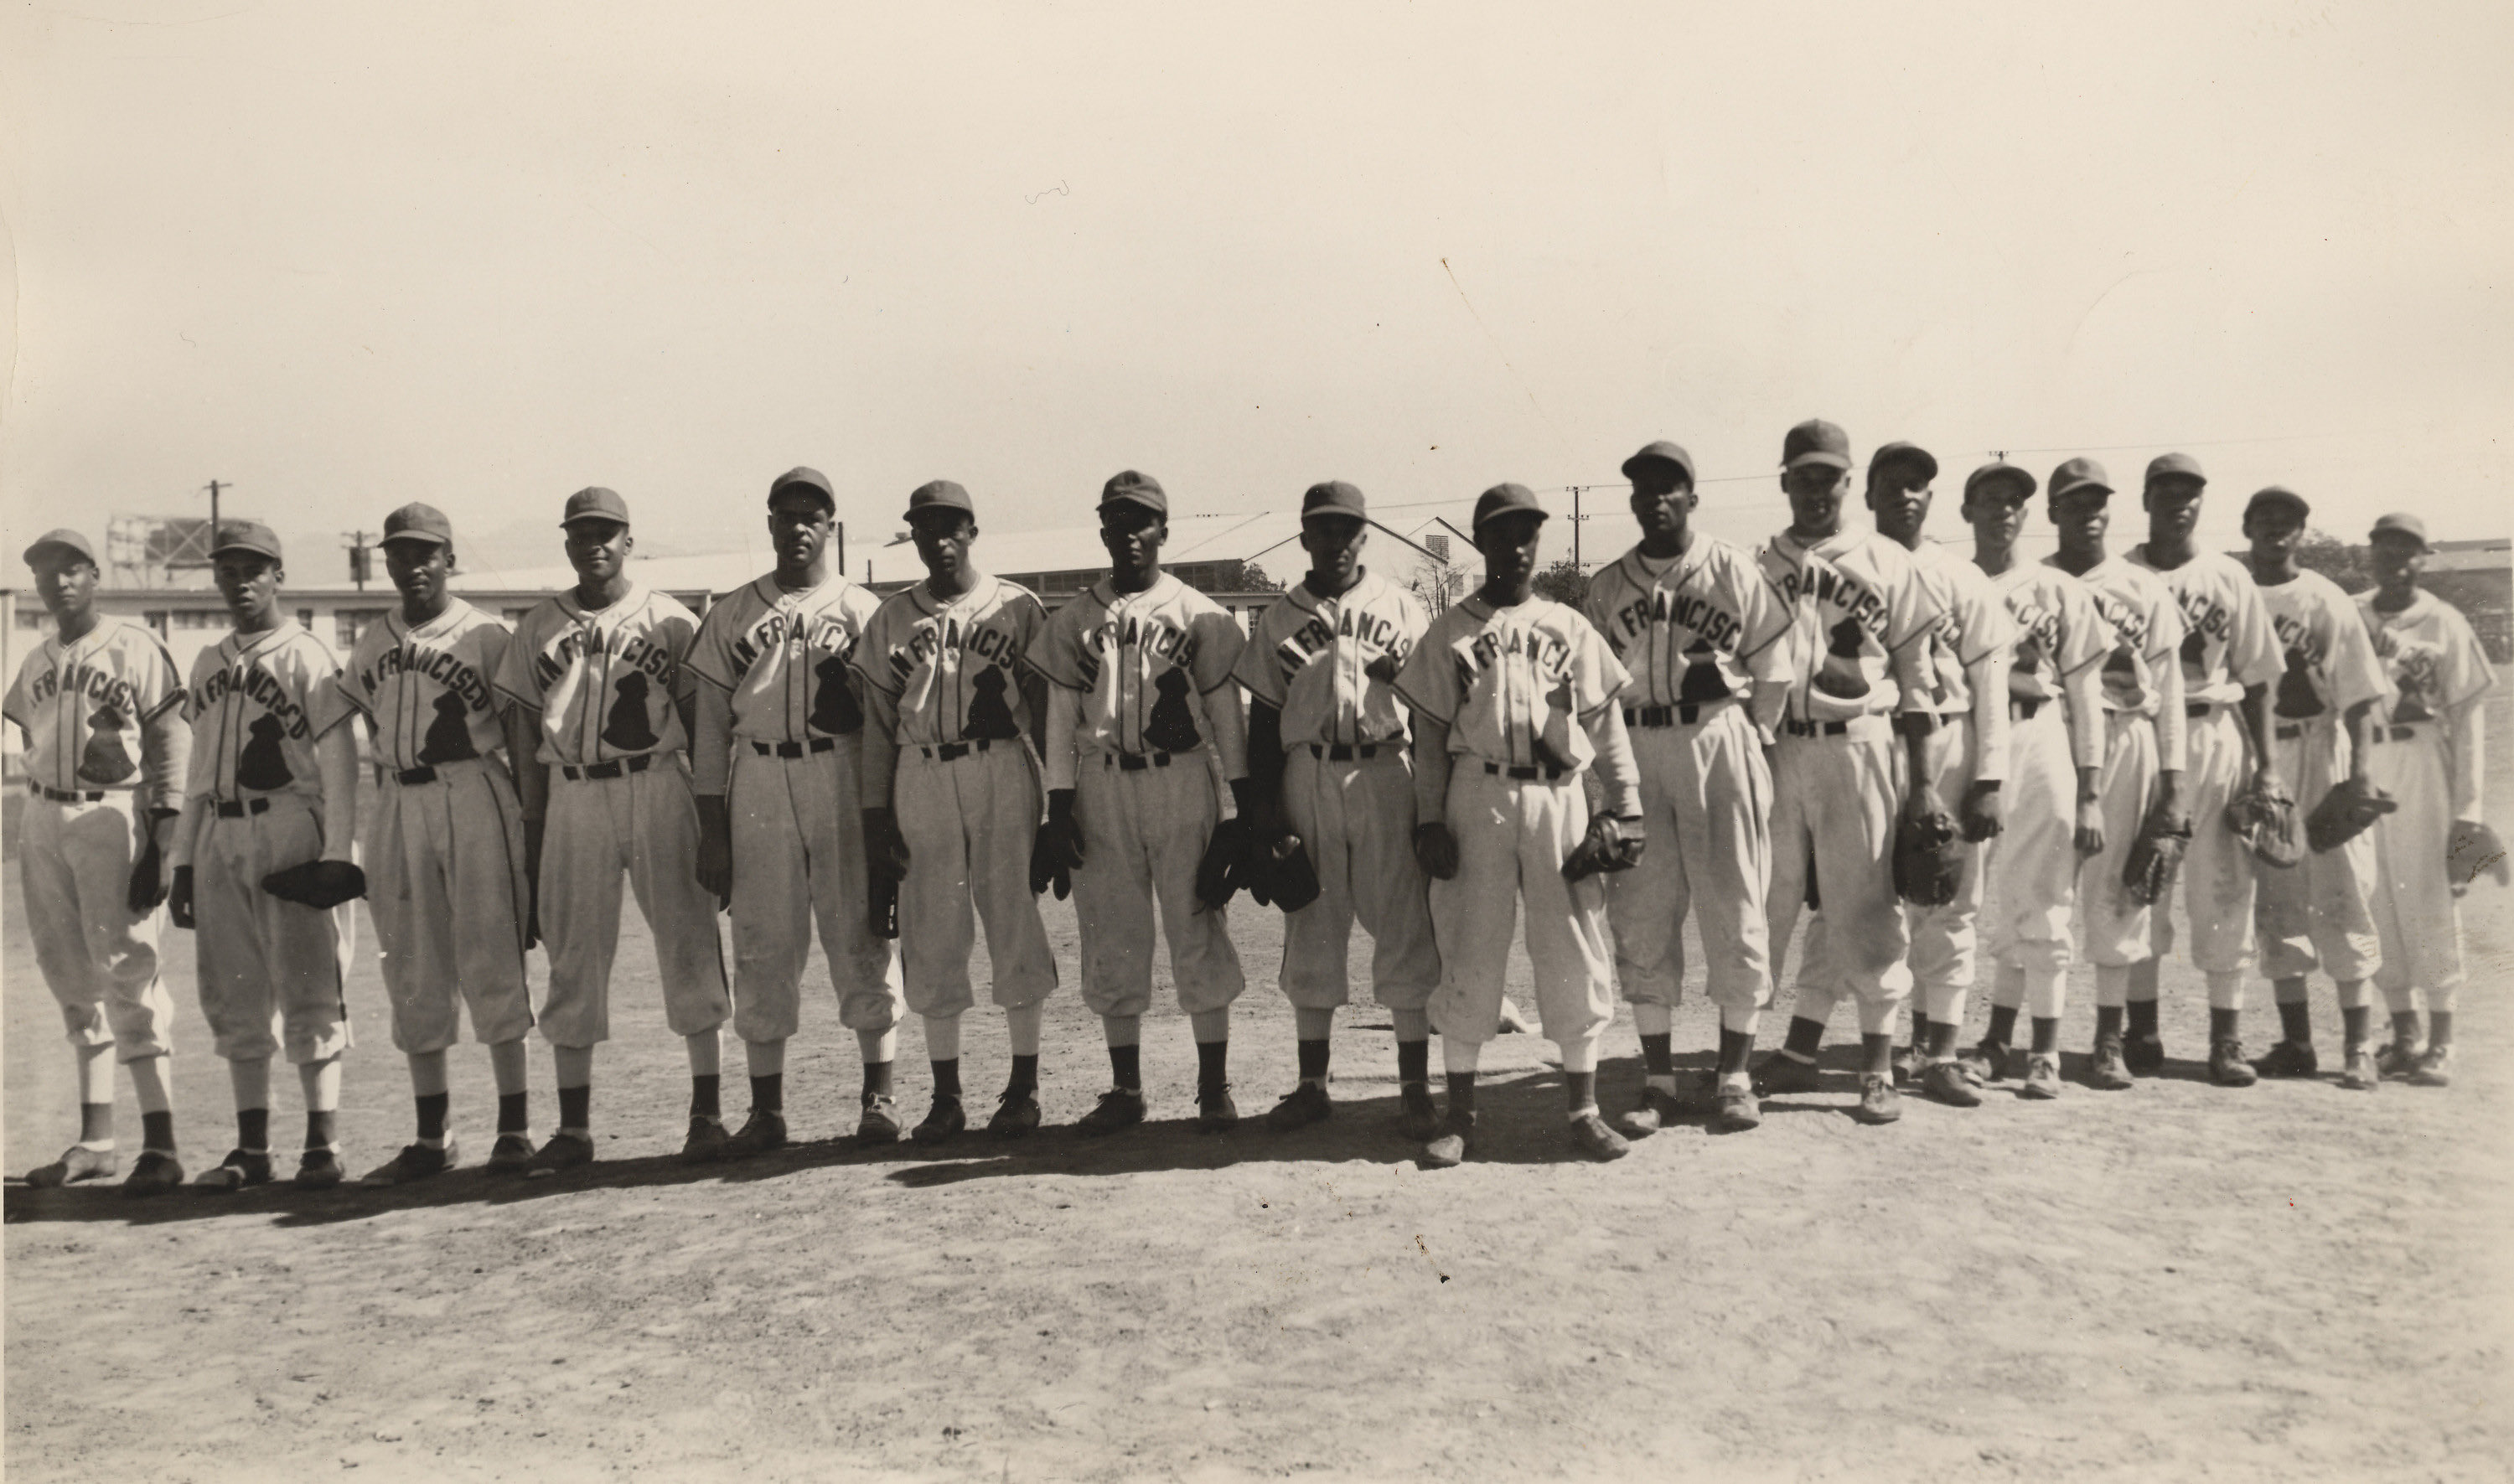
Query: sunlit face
{"x": 2398, "y": 559}
{"x": 799, "y": 525}
{"x": 418, "y": 568}
{"x": 1509, "y": 545}
{"x": 2083, "y": 516}
{"x": 1133, "y": 535}
{"x": 66, "y": 582}
{"x": 1995, "y": 511}
{"x": 1663, "y": 498}
{"x": 2275, "y": 530}
{"x": 1900, "y": 494}
{"x": 1334, "y": 545}
{"x": 598, "y": 548}
{"x": 942, "y": 539}
{"x": 1816, "y": 492}
{"x": 2172, "y": 504}
{"x": 249, "y": 581}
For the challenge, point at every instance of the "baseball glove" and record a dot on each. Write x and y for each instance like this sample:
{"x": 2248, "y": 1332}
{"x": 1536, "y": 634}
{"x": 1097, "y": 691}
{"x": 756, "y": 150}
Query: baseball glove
{"x": 1057, "y": 853}
{"x": 179, "y": 898}
{"x": 2346, "y": 812}
{"x": 1295, "y": 883}
{"x": 1610, "y": 845}
{"x": 147, "y": 887}
{"x": 318, "y": 884}
{"x": 881, "y": 894}
{"x": 1224, "y": 869}
{"x": 885, "y": 848}
{"x": 1928, "y": 860}
{"x": 1436, "y": 849}
{"x": 2154, "y": 858}
{"x": 2265, "y": 821}
{"x": 2473, "y": 850}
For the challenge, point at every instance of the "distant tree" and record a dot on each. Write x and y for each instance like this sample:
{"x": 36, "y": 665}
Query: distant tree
{"x": 1243, "y": 577}
{"x": 2351, "y": 567}
{"x": 1565, "y": 582}
{"x": 1436, "y": 582}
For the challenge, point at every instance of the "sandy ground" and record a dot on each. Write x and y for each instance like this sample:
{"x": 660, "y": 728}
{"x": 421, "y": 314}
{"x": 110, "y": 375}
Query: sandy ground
{"x": 2291, "y": 1281}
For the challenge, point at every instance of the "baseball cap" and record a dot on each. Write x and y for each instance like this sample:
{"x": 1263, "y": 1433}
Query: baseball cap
{"x": 802, "y": 477}
{"x": 1815, "y": 441}
{"x": 64, "y": 536}
{"x": 246, "y": 535}
{"x": 594, "y": 503}
{"x": 1995, "y": 471}
{"x": 1333, "y": 498}
{"x": 1505, "y": 500}
{"x": 1903, "y": 452}
{"x": 2277, "y": 494}
{"x": 1127, "y": 487}
{"x": 419, "y": 523}
{"x": 939, "y": 495}
{"x": 2077, "y": 474}
{"x": 1661, "y": 452}
{"x": 2170, "y": 465}
{"x": 2401, "y": 523}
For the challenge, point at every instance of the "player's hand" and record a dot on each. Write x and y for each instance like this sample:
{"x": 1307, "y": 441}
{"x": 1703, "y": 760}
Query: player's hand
{"x": 147, "y": 880}
{"x": 1980, "y": 818}
{"x": 885, "y": 848}
{"x": 178, "y": 899}
{"x": 1436, "y": 849}
{"x": 2090, "y": 835}
{"x": 714, "y": 865}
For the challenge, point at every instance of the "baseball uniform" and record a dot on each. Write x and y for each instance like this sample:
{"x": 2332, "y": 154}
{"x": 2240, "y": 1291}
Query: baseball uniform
{"x": 2320, "y": 913}
{"x": 1704, "y": 640}
{"x": 258, "y": 703}
{"x": 445, "y": 853}
{"x": 1859, "y": 614}
{"x": 605, "y": 684}
{"x": 944, "y": 678}
{"x": 2227, "y": 646}
{"x": 1329, "y": 666}
{"x": 2141, "y": 694}
{"x": 83, "y": 707}
{"x": 1144, "y": 667}
{"x": 2425, "y": 759}
{"x": 1515, "y": 687}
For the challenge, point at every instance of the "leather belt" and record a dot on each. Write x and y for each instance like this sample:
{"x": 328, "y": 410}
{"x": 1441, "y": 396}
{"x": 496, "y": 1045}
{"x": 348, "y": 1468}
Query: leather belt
{"x": 613, "y": 769}
{"x": 419, "y": 775}
{"x": 2289, "y": 731}
{"x": 2396, "y": 733}
{"x": 2198, "y": 710}
{"x": 2024, "y": 707}
{"x": 65, "y": 796}
{"x": 1523, "y": 770}
{"x": 1685, "y": 715}
{"x": 955, "y": 752}
{"x": 1136, "y": 762}
{"x": 1342, "y": 752}
{"x": 1797, "y": 727}
{"x": 791, "y": 748}
{"x": 237, "y": 809}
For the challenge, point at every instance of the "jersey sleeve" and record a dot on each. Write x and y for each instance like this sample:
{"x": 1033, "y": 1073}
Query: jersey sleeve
{"x": 353, "y": 683}
{"x": 2467, "y": 675}
{"x": 1597, "y": 677}
{"x": 1219, "y": 641}
{"x": 316, "y": 675}
{"x": 516, "y": 678}
{"x": 2356, "y": 673}
{"x": 1597, "y": 604}
{"x": 1057, "y": 657}
{"x": 2086, "y": 636}
{"x": 1911, "y": 608}
{"x": 711, "y": 654}
{"x": 1429, "y": 681}
{"x": 678, "y": 632}
{"x": 1981, "y": 619}
{"x": 1255, "y": 671}
{"x": 157, "y": 684}
{"x": 872, "y": 657}
{"x": 2254, "y": 655}
{"x": 16, "y": 707}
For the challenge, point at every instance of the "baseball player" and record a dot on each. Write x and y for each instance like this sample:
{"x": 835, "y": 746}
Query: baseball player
{"x": 447, "y": 887}
{"x": 952, "y": 798}
{"x": 98, "y": 706}
{"x": 2427, "y": 749}
{"x": 273, "y": 783}
{"x": 1859, "y": 677}
{"x": 1137, "y": 664}
{"x": 2230, "y": 658}
{"x": 2056, "y": 741}
{"x": 776, "y": 756}
{"x": 1705, "y": 641}
{"x": 2319, "y": 912}
{"x": 1514, "y": 700}
{"x": 601, "y": 674}
{"x": 1327, "y": 750}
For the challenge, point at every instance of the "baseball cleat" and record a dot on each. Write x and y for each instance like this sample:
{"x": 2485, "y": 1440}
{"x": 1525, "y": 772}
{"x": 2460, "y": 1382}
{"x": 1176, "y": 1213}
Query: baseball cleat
{"x": 1016, "y": 1114}
{"x": 2357, "y": 1073}
{"x": 77, "y": 1163}
{"x": 416, "y": 1162}
{"x": 1909, "y": 1064}
{"x": 2144, "y": 1055}
{"x": 1595, "y": 1140}
{"x": 1451, "y": 1147}
{"x": 1421, "y": 1115}
{"x": 2227, "y": 1067}
{"x": 2435, "y": 1068}
{"x": 1949, "y": 1083}
{"x": 1215, "y": 1112}
{"x": 2041, "y": 1076}
{"x": 760, "y": 1133}
{"x": 879, "y": 1125}
{"x": 1734, "y": 1107}
{"x": 705, "y": 1141}
{"x": 1879, "y": 1102}
{"x": 2397, "y": 1060}
{"x": 2109, "y": 1071}
{"x": 1120, "y": 1108}
{"x": 241, "y": 1168}
{"x": 1657, "y": 1110}
{"x": 1303, "y": 1105}
{"x": 2289, "y": 1059}
{"x": 318, "y": 1168}
{"x": 943, "y": 1120}
{"x": 1781, "y": 1072}
{"x": 1989, "y": 1062}
{"x": 563, "y": 1150}
{"x": 510, "y": 1155}
{"x": 154, "y": 1172}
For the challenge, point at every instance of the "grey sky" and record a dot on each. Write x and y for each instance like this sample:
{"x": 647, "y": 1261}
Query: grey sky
{"x": 347, "y": 254}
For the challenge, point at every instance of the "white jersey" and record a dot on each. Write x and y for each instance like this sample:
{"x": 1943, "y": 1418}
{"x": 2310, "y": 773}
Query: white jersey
{"x": 2226, "y": 640}
{"x": 1514, "y": 685}
{"x": 1858, "y": 612}
{"x": 2061, "y": 638}
{"x": 953, "y": 668}
{"x": 83, "y": 707}
{"x": 426, "y": 688}
{"x": 1329, "y": 664}
{"x": 1145, "y": 663}
{"x": 258, "y": 704}
{"x": 605, "y": 681}
{"x": 1972, "y": 624}
{"x": 2431, "y": 654}
{"x": 2330, "y": 659}
{"x": 782, "y": 657}
{"x": 1698, "y": 628}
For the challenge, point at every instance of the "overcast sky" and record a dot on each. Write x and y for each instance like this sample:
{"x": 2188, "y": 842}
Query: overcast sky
{"x": 347, "y": 256}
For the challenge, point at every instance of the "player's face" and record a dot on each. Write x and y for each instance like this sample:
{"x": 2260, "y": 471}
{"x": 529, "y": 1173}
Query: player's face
{"x": 1133, "y": 535}
{"x": 1816, "y": 492}
{"x": 2173, "y": 508}
{"x": 1901, "y": 501}
{"x": 1334, "y": 545}
{"x": 943, "y": 540}
{"x": 66, "y": 582}
{"x": 799, "y": 525}
{"x": 418, "y": 568}
{"x": 598, "y": 548}
{"x": 1997, "y": 514}
{"x": 249, "y": 583}
{"x": 2083, "y": 516}
{"x": 2398, "y": 560}
{"x": 2274, "y": 531}
{"x": 1662, "y": 500}
{"x": 1509, "y": 545}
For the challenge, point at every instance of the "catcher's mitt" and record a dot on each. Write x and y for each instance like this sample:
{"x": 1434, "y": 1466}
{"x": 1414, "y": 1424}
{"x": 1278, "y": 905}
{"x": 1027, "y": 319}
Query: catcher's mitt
{"x": 1295, "y": 881}
{"x": 1610, "y": 845}
{"x": 1928, "y": 860}
{"x": 2472, "y": 850}
{"x": 2154, "y": 858}
{"x": 318, "y": 884}
{"x": 2346, "y": 812}
{"x": 2265, "y": 823}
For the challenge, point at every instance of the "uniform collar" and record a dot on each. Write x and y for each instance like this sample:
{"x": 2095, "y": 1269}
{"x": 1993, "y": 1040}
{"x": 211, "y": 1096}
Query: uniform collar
{"x": 1106, "y": 589}
{"x": 1830, "y": 549}
{"x": 403, "y": 628}
{"x": 627, "y": 602}
{"x": 1360, "y": 592}
{"x": 930, "y": 605}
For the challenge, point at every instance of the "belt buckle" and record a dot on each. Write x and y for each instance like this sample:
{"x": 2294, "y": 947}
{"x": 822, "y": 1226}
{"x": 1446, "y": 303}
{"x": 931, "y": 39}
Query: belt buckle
{"x": 1133, "y": 762}
{"x": 951, "y": 751}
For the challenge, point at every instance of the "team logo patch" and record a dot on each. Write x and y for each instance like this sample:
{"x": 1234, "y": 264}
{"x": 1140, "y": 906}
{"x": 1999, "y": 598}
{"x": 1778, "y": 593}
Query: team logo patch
{"x": 2296, "y": 697}
{"x": 449, "y": 735}
{"x": 1840, "y": 676}
{"x": 1173, "y": 728}
{"x": 105, "y": 760}
{"x": 990, "y": 715}
{"x": 834, "y": 710}
{"x": 627, "y": 728}
{"x": 261, "y": 765}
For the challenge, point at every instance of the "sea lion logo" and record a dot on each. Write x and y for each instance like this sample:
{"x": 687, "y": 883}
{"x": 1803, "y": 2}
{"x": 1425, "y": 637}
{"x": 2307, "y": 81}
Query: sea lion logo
{"x": 2120, "y": 680}
{"x": 105, "y": 760}
{"x": 834, "y": 710}
{"x": 991, "y": 714}
{"x": 2194, "y": 657}
{"x": 449, "y": 735}
{"x": 1173, "y": 728}
{"x": 2413, "y": 675}
{"x": 1840, "y": 676}
{"x": 628, "y": 729}
{"x": 261, "y": 765}
{"x": 1702, "y": 678}
{"x": 1552, "y": 741}
{"x": 2296, "y": 697}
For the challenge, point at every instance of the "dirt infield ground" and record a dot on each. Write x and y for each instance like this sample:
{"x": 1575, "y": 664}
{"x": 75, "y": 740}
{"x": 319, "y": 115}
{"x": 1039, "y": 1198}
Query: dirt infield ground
{"x": 2290, "y": 1282}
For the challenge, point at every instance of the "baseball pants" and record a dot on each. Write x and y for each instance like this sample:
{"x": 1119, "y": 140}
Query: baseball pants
{"x": 1706, "y": 800}
{"x": 2216, "y": 870}
{"x": 1513, "y": 836}
{"x": 446, "y": 889}
{"x": 99, "y": 962}
{"x": 799, "y": 859}
{"x": 642, "y": 825}
{"x": 1834, "y": 803}
{"x": 2417, "y": 922}
{"x": 270, "y": 972}
{"x": 2318, "y": 913}
{"x": 970, "y": 822}
{"x": 2031, "y": 866}
{"x": 2112, "y": 926}
{"x": 1358, "y": 820}
{"x": 1143, "y": 833}
{"x": 1943, "y": 939}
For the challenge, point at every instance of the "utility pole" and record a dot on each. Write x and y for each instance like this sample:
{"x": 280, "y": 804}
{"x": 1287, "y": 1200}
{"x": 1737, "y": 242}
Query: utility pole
{"x": 360, "y": 564}
{"x": 214, "y": 512}
{"x": 1577, "y": 518}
